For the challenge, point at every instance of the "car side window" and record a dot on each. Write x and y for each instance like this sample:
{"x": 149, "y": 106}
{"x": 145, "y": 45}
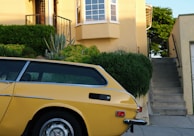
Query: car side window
{"x": 9, "y": 69}
{"x": 64, "y": 73}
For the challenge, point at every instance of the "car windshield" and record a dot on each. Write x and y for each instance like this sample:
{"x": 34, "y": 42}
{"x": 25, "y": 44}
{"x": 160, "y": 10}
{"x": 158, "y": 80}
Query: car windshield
{"x": 9, "y": 69}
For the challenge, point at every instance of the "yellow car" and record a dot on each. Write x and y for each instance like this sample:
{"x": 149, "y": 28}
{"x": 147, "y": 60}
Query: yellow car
{"x": 56, "y": 98}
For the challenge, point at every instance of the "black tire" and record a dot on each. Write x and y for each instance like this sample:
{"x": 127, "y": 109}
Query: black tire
{"x": 57, "y": 122}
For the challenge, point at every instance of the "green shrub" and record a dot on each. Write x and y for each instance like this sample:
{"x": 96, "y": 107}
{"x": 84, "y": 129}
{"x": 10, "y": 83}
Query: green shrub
{"x": 79, "y": 53}
{"x": 16, "y": 50}
{"x": 29, "y": 35}
{"x": 28, "y": 52}
{"x": 11, "y": 50}
{"x": 132, "y": 71}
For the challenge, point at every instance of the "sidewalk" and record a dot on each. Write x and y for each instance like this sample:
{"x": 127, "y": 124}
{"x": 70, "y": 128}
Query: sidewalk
{"x": 172, "y": 121}
{"x": 165, "y": 126}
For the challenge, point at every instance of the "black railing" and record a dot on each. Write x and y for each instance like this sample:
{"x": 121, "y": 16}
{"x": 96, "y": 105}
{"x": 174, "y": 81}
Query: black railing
{"x": 33, "y": 19}
{"x": 61, "y": 24}
{"x": 177, "y": 53}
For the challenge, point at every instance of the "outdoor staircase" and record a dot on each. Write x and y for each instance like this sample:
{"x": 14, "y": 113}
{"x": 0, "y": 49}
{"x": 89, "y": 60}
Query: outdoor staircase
{"x": 166, "y": 93}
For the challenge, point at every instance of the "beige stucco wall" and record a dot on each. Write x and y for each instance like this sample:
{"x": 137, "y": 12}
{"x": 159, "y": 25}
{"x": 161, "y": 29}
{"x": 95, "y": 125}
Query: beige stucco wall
{"x": 141, "y": 27}
{"x": 128, "y": 34}
{"x": 183, "y": 32}
{"x": 130, "y": 30}
{"x": 12, "y": 12}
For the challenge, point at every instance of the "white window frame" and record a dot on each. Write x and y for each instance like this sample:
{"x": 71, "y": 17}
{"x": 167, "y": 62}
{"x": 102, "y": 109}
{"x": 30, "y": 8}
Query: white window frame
{"x": 106, "y": 14}
{"x": 115, "y": 3}
{"x": 95, "y": 21}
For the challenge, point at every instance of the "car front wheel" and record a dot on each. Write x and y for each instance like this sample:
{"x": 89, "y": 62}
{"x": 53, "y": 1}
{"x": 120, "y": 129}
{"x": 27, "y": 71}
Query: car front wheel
{"x": 57, "y": 123}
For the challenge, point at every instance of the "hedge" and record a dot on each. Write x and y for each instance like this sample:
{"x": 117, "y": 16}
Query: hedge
{"x": 29, "y": 35}
{"x": 132, "y": 71}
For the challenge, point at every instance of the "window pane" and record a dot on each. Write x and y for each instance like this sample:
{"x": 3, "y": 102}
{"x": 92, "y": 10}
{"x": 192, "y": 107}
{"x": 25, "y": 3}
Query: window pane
{"x": 9, "y": 69}
{"x": 113, "y": 18}
{"x": 101, "y": 6}
{"x": 88, "y": 18}
{"x": 88, "y": 12}
{"x": 89, "y": 7}
{"x": 94, "y": 1}
{"x": 101, "y": 11}
{"x": 113, "y": 1}
{"x": 95, "y": 11}
{"x": 64, "y": 73}
{"x": 88, "y": 2}
{"x": 94, "y": 7}
{"x": 101, "y": 17}
{"x": 95, "y": 17}
{"x": 113, "y": 11}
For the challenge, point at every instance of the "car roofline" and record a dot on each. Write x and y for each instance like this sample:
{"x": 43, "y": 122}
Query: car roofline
{"x": 51, "y": 61}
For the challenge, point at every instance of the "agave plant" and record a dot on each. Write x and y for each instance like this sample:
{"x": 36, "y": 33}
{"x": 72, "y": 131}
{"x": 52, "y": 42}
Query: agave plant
{"x": 55, "y": 45}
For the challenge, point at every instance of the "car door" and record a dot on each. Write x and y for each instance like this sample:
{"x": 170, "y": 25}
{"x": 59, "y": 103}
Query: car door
{"x": 9, "y": 71}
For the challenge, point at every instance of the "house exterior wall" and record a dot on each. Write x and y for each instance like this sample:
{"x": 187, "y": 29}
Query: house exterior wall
{"x": 183, "y": 32}
{"x": 141, "y": 27}
{"x": 12, "y": 12}
{"x": 128, "y": 34}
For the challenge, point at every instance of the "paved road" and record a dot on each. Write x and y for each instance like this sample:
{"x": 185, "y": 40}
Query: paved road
{"x": 165, "y": 126}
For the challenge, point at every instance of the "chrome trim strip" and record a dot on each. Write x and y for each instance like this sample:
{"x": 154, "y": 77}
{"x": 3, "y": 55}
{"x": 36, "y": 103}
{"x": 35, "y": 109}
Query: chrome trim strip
{"x": 33, "y": 97}
{"x": 9, "y": 95}
{"x": 63, "y": 84}
{"x": 22, "y": 71}
{"x": 6, "y": 81}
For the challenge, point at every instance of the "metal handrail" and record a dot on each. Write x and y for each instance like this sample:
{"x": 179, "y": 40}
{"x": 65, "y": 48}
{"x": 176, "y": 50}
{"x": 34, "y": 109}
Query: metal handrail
{"x": 61, "y": 24}
{"x": 32, "y": 19}
{"x": 177, "y": 54}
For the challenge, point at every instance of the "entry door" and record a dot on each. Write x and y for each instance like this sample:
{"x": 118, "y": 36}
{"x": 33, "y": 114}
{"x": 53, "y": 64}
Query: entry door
{"x": 40, "y": 11}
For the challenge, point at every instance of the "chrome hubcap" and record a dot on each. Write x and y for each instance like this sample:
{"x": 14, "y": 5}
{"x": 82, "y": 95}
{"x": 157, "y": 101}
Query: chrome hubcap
{"x": 56, "y": 127}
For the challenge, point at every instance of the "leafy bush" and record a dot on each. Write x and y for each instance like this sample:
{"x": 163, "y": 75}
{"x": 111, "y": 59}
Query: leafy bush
{"x": 79, "y": 53}
{"x": 132, "y": 71}
{"x": 28, "y": 52}
{"x": 11, "y": 50}
{"x": 16, "y": 50}
{"x": 29, "y": 35}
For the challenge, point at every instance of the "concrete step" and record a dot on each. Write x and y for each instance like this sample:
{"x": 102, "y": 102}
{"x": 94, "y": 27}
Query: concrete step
{"x": 164, "y": 67}
{"x": 169, "y": 90}
{"x": 170, "y": 112}
{"x": 159, "y": 74}
{"x": 166, "y": 97}
{"x": 163, "y": 60}
{"x": 165, "y": 78}
{"x": 168, "y": 105}
{"x": 161, "y": 84}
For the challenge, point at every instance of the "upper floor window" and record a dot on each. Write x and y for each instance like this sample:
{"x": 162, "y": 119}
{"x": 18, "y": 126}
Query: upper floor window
{"x": 94, "y": 11}
{"x": 113, "y": 10}
{"x": 10, "y": 69}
